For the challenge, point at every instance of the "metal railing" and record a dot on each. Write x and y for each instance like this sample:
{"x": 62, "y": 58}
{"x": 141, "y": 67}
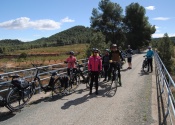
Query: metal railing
{"x": 165, "y": 84}
{"x": 5, "y": 80}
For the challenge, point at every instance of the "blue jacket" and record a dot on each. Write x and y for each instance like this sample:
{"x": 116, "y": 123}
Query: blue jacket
{"x": 149, "y": 54}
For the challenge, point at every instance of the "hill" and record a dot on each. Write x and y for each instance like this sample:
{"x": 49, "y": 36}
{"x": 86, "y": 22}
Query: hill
{"x": 74, "y": 35}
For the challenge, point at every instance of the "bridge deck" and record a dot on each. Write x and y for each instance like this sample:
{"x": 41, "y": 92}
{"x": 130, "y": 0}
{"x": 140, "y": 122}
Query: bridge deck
{"x": 132, "y": 104}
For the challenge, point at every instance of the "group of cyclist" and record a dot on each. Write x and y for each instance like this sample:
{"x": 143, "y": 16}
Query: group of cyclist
{"x": 110, "y": 61}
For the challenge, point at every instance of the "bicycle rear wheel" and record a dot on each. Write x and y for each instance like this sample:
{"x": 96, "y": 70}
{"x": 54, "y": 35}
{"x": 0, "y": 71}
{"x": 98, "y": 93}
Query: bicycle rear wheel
{"x": 57, "y": 87}
{"x": 16, "y": 99}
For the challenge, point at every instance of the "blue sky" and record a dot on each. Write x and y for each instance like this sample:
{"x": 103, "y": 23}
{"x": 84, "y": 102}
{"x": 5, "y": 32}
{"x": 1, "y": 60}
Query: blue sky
{"x": 29, "y": 20}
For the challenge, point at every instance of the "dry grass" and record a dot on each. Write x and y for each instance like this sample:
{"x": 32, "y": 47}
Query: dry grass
{"x": 15, "y": 64}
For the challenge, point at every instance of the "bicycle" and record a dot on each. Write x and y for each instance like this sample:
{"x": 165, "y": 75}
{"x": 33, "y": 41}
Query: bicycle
{"x": 74, "y": 77}
{"x": 144, "y": 64}
{"x": 20, "y": 91}
{"x": 84, "y": 73}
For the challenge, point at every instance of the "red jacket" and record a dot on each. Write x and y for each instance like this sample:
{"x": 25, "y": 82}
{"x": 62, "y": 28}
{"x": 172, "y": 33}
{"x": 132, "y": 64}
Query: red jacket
{"x": 95, "y": 63}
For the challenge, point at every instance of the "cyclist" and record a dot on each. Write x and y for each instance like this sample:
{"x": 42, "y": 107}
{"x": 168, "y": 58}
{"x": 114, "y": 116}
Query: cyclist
{"x": 149, "y": 56}
{"x": 94, "y": 67}
{"x": 115, "y": 57}
{"x": 105, "y": 62}
{"x": 129, "y": 52}
{"x": 71, "y": 61}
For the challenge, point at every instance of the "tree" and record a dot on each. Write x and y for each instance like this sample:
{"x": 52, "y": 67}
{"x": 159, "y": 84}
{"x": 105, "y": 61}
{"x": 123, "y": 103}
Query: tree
{"x": 138, "y": 28}
{"x": 166, "y": 51}
{"x": 97, "y": 41}
{"x": 23, "y": 55}
{"x": 108, "y": 20}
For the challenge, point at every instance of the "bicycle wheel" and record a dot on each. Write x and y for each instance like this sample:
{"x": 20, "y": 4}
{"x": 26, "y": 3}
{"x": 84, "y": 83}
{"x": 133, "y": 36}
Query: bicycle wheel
{"x": 57, "y": 87}
{"x": 115, "y": 83}
{"x": 16, "y": 99}
{"x": 75, "y": 82}
{"x": 99, "y": 77}
{"x": 88, "y": 81}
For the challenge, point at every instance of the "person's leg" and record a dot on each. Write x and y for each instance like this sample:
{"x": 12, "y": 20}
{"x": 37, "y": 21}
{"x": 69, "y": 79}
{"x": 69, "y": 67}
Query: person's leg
{"x": 114, "y": 73}
{"x": 119, "y": 75}
{"x": 129, "y": 63}
{"x": 151, "y": 64}
{"x": 96, "y": 81}
{"x": 105, "y": 72}
{"x": 91, "y": 83}
{"x": 148, "y": 65}
{"x": 109, "y": 72}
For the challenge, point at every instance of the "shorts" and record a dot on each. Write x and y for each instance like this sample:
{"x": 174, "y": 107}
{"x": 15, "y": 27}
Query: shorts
{"x": 129, "y": 59}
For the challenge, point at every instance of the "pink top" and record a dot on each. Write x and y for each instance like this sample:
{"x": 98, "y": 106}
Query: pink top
{"x": 71, "y": 62}
{"x": 94, "y": 63}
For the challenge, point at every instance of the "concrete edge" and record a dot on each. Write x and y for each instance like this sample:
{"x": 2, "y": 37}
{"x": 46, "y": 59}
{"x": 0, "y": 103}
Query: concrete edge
{"x": 154, "y": 103}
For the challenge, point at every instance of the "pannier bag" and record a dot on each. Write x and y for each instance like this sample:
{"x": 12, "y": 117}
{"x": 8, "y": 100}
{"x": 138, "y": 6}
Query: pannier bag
{"x": 64, "y": 81}
{"x": 2, "y": 101}
{"x": 20, "y": 83}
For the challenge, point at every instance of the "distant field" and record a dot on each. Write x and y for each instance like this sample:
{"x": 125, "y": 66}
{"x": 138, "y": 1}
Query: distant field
{"x": 62, "y": 52}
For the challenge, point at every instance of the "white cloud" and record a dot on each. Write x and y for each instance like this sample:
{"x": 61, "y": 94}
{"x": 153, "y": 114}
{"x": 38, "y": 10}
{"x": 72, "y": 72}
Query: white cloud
{"x": 25, "y": 22}
{"x": 156, "y": 27}
{"x": 150, "y": 8}
{"x": 161, "y": 18}
{"x": 65, "y": 20}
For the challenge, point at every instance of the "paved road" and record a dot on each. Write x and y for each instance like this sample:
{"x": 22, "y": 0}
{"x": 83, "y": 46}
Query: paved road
{"x": 130, "y": 104}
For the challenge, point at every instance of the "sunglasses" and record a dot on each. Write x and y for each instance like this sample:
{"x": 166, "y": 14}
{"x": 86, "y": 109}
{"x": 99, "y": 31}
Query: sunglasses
{"x": 96, "y": 52}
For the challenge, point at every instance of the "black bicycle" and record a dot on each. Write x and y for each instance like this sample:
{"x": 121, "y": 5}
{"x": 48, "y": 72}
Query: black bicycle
{"x": 20, "y": 91}
{"x": 145, "y": 64}
{"x": 115, "y": 80}
{"x": 83, "y": 73}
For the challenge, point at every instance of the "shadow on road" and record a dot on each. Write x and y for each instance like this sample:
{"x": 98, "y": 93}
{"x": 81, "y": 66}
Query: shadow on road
{"x": 106, "y": 91}
{"x": 143, "y": 73}
{"x": 6, "y": 115}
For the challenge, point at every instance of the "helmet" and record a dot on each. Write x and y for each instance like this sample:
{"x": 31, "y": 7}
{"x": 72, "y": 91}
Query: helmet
{"x": 107, "y": 50}
{"x": 149, "y": 47}
{"x": 114, "y": 45}
{"x": 71, "y": 52}
{"x": 95, "y": 50}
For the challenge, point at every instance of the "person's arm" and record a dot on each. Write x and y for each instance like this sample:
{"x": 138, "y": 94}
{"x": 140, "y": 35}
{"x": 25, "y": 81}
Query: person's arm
{"x": 100, "y": 63}
{"x": 120, "y": 54}
{"x": 66, "y": 61}
{"x": 89, "y": 65}
{"x": 110, "y": 55}
{"x": 132, "y": 52}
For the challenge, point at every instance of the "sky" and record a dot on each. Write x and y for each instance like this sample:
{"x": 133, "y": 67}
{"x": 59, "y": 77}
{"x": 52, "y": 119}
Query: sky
{"x": 28, "y": 20}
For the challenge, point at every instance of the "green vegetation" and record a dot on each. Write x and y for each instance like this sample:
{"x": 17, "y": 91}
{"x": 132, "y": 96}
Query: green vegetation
{"x": 74, "y": 35}
{"x": 165, "y": 48}
{"x": 133, "y": 29}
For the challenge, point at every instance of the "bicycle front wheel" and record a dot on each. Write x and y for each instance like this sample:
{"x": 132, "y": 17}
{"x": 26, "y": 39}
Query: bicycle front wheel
{"x": 75, "y": 82}
{"x": 16, "y": 99}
